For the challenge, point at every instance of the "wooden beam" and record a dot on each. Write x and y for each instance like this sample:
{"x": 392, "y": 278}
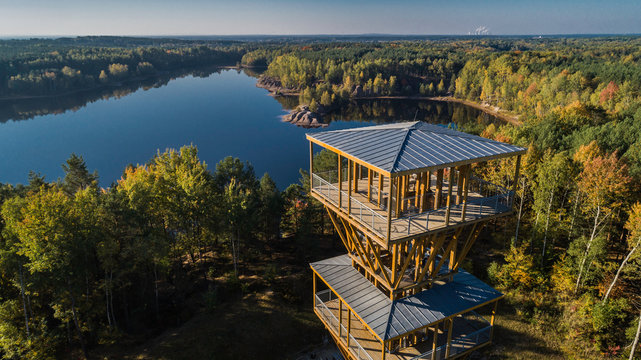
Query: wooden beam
{"x": 349, "y": 187}
{"x": 314, "y": 287}
{"x": 516, "y": 177}
{"x": 437, "y": 242}
{"x": 476, "y": 230}
{"x": 340, "y": 318}
{"x": 311, "y": 165}
{"x": 448, "y": 348}
{"x": 394, "y": 260}
{"x": 449, "y": 197}
{"x": 389, "y": 211}
{"x": 340, "y": 183}
{"x": 459, "y": 185}
{"x": 369, "y": 184}
{"x": 435, "y": 341}
{"x": 492, "y": 320}
{"x": 384, "y": 352}
{"x": 349, "y": 326}
{"x": 409, "y": 258}
{"x": 466, "y": 185}
{"x": 380, "y": 188}
{"x": 356, "y": 176}
{"x": 332, "y": 217}
{"x": 439, "y": 188}
{"x": 447, "y": 250}
{"x": 380, "y": 263}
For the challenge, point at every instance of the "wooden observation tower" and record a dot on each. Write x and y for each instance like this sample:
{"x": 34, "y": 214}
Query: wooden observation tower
{"x": 408, "y": 208}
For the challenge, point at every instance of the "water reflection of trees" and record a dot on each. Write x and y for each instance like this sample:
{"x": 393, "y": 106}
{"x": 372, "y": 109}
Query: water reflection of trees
{"x": 28, "y": 108}
{"x": 458, "y": 115}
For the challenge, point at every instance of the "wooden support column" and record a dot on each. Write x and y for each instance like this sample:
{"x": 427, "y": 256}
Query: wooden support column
{"x": 349, "y": 187}
{"x": 389, "y": 210}
{"x": 450, "y": 328}
{"x": 496, "y": 303}
{"x": 439, "y": 188}
{"x": 394, "y": 275}
{"x": 356, "y": 175}
{"x": 314, "y": 287}
{"x": 449, "y": 197}
{"x": 417, "y": 189}
{"x": 459, "y": 185}
{"x": 435, "y": 341}
{"x": 397, "y": 205}
{"x": 311, "y": 165}
{"x": 516, "y": 178}
{"x": 450, "y": 265}
{"x": 426, "y": 190}
{"x": 340, "y": 318}
{"x": 380, "y": 188}
{"x": 340, "y": 182}
{"x": 466, "y": 185}
{"x": 369, "y": 184}
{"x": 384, "y": 352}
{"x": 349, "y": 325}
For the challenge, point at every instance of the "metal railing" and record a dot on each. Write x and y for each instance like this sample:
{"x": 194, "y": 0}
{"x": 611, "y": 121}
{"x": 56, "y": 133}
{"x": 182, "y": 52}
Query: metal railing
{"x": 489, "y": 190}
{"x": 458, "y": 345}
{"x": 365, "y": 214}
{"x": 354, "y": 346}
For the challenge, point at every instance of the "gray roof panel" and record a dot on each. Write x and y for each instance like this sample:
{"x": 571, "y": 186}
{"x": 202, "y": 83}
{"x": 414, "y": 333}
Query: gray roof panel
{"x": 413, "y": 145}
{"x": 389, "y": 319}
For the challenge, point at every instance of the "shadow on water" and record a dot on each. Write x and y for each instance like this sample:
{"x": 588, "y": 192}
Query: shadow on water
{"x": 28, "y": 108}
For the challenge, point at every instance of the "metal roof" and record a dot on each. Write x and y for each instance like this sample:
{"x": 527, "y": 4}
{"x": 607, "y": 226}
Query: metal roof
{"x": 389, "y": 319}
{"x": 413, "y": 145}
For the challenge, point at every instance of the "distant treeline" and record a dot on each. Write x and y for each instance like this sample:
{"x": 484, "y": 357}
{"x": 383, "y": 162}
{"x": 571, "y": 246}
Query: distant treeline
{"x": 49, "y": 67}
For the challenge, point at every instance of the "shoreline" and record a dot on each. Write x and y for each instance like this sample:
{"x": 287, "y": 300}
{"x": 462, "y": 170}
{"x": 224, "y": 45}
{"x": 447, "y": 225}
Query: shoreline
{"x": 115, "y": 84}
{"x": 275, "y": 89}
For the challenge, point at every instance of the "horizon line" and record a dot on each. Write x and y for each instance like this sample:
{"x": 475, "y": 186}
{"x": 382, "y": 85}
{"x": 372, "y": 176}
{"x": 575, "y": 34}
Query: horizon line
{"x": 57, "y": 36}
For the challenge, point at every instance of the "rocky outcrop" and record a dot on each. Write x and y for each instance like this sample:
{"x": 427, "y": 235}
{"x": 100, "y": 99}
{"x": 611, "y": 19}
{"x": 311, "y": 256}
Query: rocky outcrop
{"x": 303, "y": 117}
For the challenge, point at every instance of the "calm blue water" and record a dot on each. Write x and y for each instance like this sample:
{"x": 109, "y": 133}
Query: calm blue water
{"x": 223, "y": 114}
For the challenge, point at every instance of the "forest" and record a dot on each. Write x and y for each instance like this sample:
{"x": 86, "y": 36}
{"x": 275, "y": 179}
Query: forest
{"x": 82, "y": 267}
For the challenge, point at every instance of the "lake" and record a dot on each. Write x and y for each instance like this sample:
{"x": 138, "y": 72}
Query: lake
{"x": 222, "y": 112}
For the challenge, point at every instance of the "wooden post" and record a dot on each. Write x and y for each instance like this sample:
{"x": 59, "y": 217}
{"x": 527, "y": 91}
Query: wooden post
{"x": 389, "y": 210}
{"x": 453, "y": 253}
{"x": 369, "y": 184}
{"x": 496, "y": 303}
{"x": 426, "y": 191}
{"x": 394, "y": 261}
{"x": 356, "y": 176}
{"x": 383, "y": 354}
{"x": 314, "y": 287}
{"x": 466, "y": 185}
{"x": 417, "y": 186}
{"x": 459, "y": 185}
{"x": 340, "y": 318}
{"x": 449, "y": 338}
{"x": 349, "y": 187}
{"x": 439, "y": 188}
{"x": 449, "y": 197}
{"x": 311, "y": 165}
{"x": 435, "y": 342}
{"x": 349, "y": 326}
{"x": 380, "y": 189}
{"x": 516, "y": 178}
{"x": 340, "y": 182}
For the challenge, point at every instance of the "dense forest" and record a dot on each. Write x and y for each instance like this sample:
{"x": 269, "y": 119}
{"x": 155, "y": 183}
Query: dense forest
{"x": 83, "y": 266}
{"x": 50, "y": 67}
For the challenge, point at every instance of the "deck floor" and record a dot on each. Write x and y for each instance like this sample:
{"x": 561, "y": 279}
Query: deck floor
{"x": 375, "y": 218}
{"x": 373, "y": 346}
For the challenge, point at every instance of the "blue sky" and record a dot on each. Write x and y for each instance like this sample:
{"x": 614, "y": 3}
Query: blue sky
{"x": 214, "y": 17}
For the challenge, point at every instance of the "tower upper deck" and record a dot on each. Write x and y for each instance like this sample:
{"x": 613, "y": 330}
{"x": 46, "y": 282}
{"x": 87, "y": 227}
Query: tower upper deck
{"x": 398, "y": 181}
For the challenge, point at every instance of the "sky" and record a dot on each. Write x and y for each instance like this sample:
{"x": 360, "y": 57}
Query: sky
{"x": 301, "y": 17}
